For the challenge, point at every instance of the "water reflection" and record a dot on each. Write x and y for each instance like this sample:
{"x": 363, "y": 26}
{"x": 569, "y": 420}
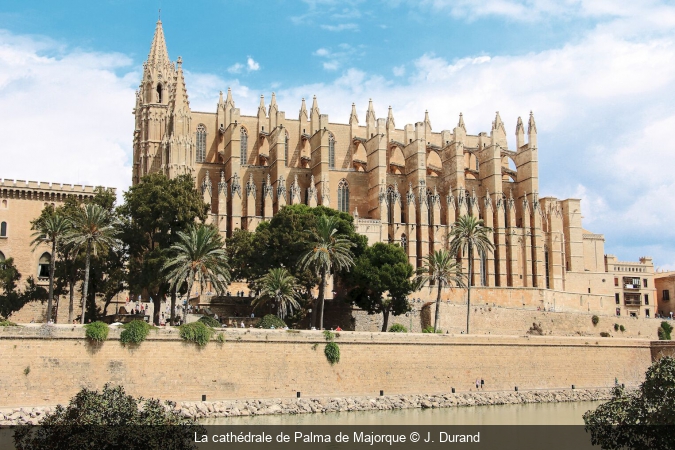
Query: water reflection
{"x": 524, "y": 414}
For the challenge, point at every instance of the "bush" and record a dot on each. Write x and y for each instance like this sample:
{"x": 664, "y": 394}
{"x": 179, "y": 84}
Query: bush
{"x": 332, "y": 352}
{"x": 220, "y": 338}
{"x": 135, "y": 332}
{"x": 536, "y": 330}
{"x": 398, "y": 328}
{"x": 664, "y": 331}
{"x": 111, "y": 419}
{"x": 96, "y": 331}
{"x": 328, "y": 335}
{"x": 605, "y": 334}
{"x": 196, "y": 332}
{"x": 270, "y": 321}
{"x": 622, "y": 328}
{"x": 7, "y": 323}
{"x": 595, "y": 320}
{"x": 209, "y": 321}
{"x": 430, "y": 329}
{"x": 616, "y": 327}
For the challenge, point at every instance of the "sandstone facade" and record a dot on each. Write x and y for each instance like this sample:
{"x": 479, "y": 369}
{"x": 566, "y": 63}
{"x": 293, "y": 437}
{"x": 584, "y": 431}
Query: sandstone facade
{"x": 406, "y": 185}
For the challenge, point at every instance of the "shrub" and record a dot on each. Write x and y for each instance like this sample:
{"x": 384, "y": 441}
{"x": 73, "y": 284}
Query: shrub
{"x": 196, "y": 332}
{"x": 595, "y": 320}
{"x": 135, "y": 332}
{"x": 270, "y": 321}
{"x": 536, "y": 330}
{"x": 220, "y": 338}
{"x": 7, "y": 323}
{"x": 209, "y": 321}
{"x": 430, "y": 329}
{"x": 328, "y": 335}
{"x": 96, "y": 331}
{"x": 332, "y": 352}
{"x": 605, "y": 334}
{"x": 622, "y": 328}
{"x": 111, "y": 419}
{"x": 616, "y": 327}
{"x": 398, "y": 328}
{"x": 664, "y": 331}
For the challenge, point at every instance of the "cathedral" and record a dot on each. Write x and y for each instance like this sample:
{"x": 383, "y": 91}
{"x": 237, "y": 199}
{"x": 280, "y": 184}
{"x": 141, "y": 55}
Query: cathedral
{"x": 406, "y": 185}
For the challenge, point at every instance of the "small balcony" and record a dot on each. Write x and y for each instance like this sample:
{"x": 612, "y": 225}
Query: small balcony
{"x": 632, "y": 300}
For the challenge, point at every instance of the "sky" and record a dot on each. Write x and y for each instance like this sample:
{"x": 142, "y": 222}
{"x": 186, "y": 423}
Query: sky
{"x": 598, "y": 74}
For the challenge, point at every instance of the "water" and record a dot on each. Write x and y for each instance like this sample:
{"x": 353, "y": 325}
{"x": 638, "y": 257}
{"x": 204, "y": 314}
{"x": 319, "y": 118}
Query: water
{"x": 522, "y": 414}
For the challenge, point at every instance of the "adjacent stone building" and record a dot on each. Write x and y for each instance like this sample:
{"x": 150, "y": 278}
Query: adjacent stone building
{"x": 20, "y": 203}
{"x": 405, "y": 185}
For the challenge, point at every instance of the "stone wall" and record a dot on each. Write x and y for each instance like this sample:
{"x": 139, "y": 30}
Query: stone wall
{"x": 47, "y": 365}
{"x": 496, "y": 320}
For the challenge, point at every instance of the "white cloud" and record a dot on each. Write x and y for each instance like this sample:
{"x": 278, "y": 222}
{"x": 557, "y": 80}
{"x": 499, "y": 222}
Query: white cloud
{"x": 331, "y": 65}
{"x": 235, "y": 68}
{"x": 399, "y": 71}
{"x": 65, "y": 115}
{"x": 341, "y": 27}
{"x": 252, "y": 65}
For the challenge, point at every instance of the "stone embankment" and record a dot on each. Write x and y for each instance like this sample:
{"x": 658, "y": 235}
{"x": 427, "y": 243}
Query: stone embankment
{"x": 239, "y": 408}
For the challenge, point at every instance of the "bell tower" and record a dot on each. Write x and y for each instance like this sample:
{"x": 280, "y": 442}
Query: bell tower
{"x": 152, "y": 109}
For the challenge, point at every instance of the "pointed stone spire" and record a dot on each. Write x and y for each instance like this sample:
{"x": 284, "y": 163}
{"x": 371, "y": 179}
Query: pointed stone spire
{"x": 370, "y": 114}
{"x": 236, "y": 186}
{"x": 390, "y": 120}
{"x": 461, "y": 122}
{"x": 353, "y": 118}
{"x": 526, "y": 204}
{"x": 228, "y": 100}
{"x": 315, "y": 106}
{"x": 158, "y": 53}
{"x": 250, "y": 187}
{"x": 222, "y": 184}
{"x": 325, "y": 191}
{"x": 498, "y": 124}
{"x": 267, "y": 188}
{"x": 303, "y": 110}
{"x": 427, "y": 122}
{"x": 261, "y": 107}
{"x": 520, "y": 134}
{"x": 220, "y": 99}
{"x": 488, "y": 199}
{"x": 273, "y": 104}
{"x": 410, "y": 195}
{"x": 180, "y": 96}
{"x": 207, "y": 187}
{"x": 531, "y": 125}
{"x": 312, "y": 197}
{"x": 295, "y": 191}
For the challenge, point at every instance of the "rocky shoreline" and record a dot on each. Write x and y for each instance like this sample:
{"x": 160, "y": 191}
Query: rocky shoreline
{"x": 310, "y": 405}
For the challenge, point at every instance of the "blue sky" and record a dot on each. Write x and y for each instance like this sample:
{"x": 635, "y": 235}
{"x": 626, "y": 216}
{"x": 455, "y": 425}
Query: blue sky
{"x": 598, "y": 74}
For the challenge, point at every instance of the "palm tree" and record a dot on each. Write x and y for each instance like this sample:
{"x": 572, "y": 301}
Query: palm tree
{"x": 441, "y": 268}
{"x": 327, "y": 254}
{"x": 51, "y": 230}
{"x": 281, "y": 288}
{"x": 469, "y": 233}
{"x": 198, "y": 255}
{"x": 94, "y": 229}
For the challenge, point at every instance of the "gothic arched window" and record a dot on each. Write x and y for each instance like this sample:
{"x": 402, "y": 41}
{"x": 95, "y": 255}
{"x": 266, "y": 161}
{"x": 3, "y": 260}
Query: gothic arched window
{"x": 244, "y": 146}
{"x": 343, "y": 196}
{"x": 43, "y": 265}
{"x": 404, "y": 242}
{"x": 391, "y": 200}
{"x": 483, "y": 269}
{"x": 331, "y": 151}
{"x": 286, "y": 148}
{"x": 201, "y": 143}
{"x": 159, "y": 93}
{"x": 546, "y": 267}
{"x": 3, "y": 229}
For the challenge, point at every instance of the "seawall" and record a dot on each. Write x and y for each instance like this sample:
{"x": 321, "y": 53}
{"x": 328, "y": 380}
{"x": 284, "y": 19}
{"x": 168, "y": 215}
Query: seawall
{"x": 48, "y": 365}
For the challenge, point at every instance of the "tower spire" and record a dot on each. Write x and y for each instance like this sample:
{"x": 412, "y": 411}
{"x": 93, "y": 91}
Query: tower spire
{"x": 158, "y": 53}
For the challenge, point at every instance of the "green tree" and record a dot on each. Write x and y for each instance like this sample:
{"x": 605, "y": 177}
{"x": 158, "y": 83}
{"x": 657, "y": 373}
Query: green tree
{"x": 469, "y": 233}
{"x": 279, "y": 288}
{"x": 153, "y": 213}
{"x": 381, "y": 281}
{"x": 11, "y": 298}
{"x": 198, "y": 255}
{"x": 638, "y": 419}
{"x": 51, "y": 230}
{"x": 442, "y": 269}
{"x": 328, "y": 253}
{"x": 112, "y": 420}
{"x": 94, "y": 229}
